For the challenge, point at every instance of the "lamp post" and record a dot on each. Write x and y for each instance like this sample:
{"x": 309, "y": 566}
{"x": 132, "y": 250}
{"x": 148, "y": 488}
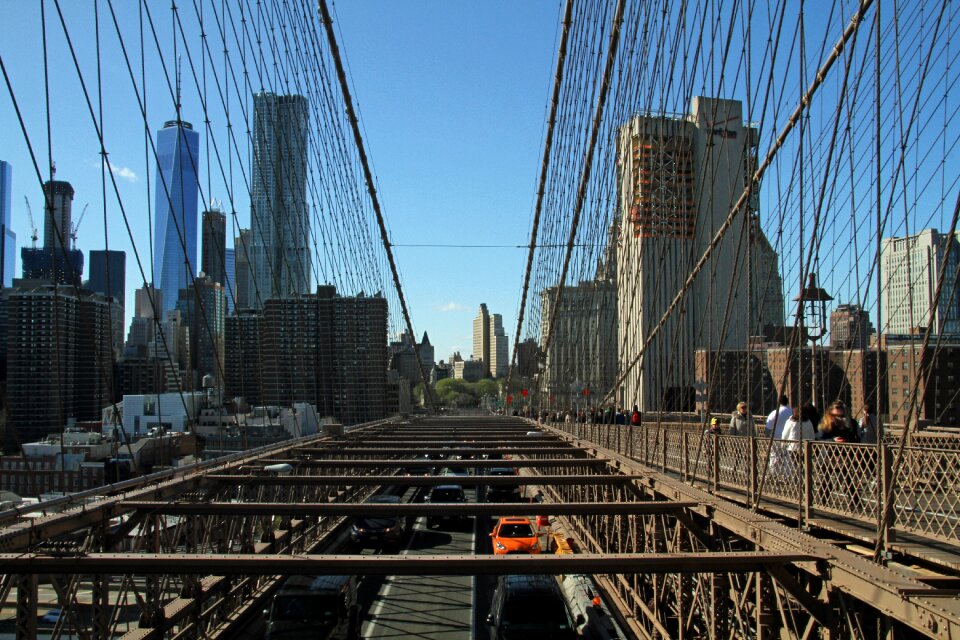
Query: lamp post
{"x": 813, "y": 307}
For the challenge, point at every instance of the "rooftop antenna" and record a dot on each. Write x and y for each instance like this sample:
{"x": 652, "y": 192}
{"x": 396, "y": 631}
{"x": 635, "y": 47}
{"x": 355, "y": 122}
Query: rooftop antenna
{"x": 178, "y": 87}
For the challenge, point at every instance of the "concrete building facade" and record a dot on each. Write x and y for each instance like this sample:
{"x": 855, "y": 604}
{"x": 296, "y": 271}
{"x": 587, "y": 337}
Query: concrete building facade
{"x": 909, "y": 267}
{"x": 679, "y": 178}
{"x": 481, "y": 339}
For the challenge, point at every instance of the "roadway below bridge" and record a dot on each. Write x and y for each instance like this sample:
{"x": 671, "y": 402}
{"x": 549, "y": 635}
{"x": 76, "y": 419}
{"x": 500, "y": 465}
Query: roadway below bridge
{"x": 435, "y": 607}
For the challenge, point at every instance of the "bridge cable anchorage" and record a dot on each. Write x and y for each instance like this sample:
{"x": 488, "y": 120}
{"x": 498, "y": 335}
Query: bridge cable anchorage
{"x": 371, "y": 189}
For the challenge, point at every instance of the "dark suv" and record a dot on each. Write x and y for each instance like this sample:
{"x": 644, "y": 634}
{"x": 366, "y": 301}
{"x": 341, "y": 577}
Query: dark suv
{"x": 314, "y": 607}
{"x": 502, "y": 493}
{"x": 444, "y": 493}
{"x": 374, "y": 530}
{"x": 530, "y": 607}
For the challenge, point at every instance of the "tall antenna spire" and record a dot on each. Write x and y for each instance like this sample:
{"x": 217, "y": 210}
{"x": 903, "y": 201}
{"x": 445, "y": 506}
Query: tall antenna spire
{"x": 178, "y": 87}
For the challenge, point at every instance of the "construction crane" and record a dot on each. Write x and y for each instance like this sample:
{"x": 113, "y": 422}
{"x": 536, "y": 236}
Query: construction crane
{"x": 76, "y": 225}
{"x": 33, "y": 227}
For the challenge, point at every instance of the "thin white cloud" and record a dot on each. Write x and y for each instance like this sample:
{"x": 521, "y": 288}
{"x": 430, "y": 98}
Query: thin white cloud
{"x": 123, "y": 172}
{"x": 450, "y": 307}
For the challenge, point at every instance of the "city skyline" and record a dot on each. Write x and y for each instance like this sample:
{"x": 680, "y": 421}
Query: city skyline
{"x": 410, "y": 208}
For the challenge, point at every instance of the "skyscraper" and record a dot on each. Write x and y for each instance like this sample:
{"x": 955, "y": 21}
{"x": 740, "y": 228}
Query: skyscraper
{"x": 60, "y": 372}
{"x": 499, "y": 349}
{"x": 203, "y": 308}
{"x": 583, "y": 349}
{"x": 910, "y": 267}
{"x": 321, "y": 348}
{"x": 679, "y": 178}
{"x": 57, "y": 261}
{"x": 230, "y": 272}
{"x": 108, "y": 273}
{"x": 108, "y": 278}
{"x": 8, "y": 239}
{"x": 214, "y": 247}
{"x": 279, "y": 224}
{"x": 175, "y": 227}
{"x": 850, "y": 327}
{"x": 481, "y": 338}
{"x": 242, "y": 273}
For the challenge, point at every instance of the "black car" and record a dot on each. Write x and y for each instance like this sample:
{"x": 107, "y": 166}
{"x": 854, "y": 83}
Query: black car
{"x": 502, "y": 493}
{"x": 445, "y": 493}
{"x": 530, "y": 607}
{"x": 314, "y": 607}
{"x": 372, "y": 530}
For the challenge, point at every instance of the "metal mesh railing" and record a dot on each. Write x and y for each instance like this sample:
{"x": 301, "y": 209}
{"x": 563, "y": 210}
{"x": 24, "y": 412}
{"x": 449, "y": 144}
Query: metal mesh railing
{"x": 834, "y": 478}
{"x": 927, "y": 498}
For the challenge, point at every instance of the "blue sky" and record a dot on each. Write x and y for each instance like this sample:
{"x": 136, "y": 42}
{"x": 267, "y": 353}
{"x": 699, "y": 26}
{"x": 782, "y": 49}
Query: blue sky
{"x": 452, "y": 97}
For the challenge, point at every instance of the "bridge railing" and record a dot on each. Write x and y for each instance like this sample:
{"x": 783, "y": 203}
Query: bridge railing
{"x": 843, "y": 479}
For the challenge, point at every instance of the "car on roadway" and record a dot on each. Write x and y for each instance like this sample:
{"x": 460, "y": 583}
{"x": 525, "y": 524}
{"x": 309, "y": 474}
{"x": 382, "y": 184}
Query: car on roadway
{"x": 514, "y": 535}
{"x": 379, "y": 530}
{"x": 444, "y": 494}
{"x": 530, "y": 607}
{"x": 502, "y": 493}
{"x": 52, "y": 617}
{"x": 315, "y": 607}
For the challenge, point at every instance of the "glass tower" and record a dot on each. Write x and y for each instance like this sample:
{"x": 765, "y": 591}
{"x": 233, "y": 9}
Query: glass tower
{"x": 8, "y": 239}
{"x": 279, "y": 225}
{"x": 175, "y": 261}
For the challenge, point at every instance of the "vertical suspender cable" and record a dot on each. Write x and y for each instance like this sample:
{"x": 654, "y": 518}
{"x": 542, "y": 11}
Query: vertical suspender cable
{"x": 368, "y": 176}
{"x": 805, "y": 101}
{"x": 544, "y": 168}
{"x": 587, "y": 164}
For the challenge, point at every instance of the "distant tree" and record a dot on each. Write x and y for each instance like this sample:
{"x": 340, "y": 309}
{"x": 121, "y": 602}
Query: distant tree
{"x": 487, "y": 387}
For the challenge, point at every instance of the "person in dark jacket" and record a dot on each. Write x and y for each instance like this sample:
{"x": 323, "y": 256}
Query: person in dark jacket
{"x": 844, "y": 477}
{"x": 836, "y": 425}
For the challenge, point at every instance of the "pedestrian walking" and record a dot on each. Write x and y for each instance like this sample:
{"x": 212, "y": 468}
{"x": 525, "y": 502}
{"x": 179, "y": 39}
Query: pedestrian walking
{"x": 867, "y": 429}
{"x": 714, "y": 428}
{"x": 844, "y": 471}
{"x": 741, "y": 422}
{"x": 778, "y": 418}
{"x": 835, "y": 426}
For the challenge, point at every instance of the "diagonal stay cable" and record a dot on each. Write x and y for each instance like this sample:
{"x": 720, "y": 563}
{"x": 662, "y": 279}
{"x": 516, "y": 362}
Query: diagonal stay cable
{"x": 588, "y": 162}
{"x": 805, "y": 102}
{"x": 544, "y": 168}
{"x": 371, "y": 188}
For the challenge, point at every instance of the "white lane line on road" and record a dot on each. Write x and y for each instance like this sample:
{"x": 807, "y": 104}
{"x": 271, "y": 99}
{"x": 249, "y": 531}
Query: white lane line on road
{"x": 473, "y": 580}
{"x": 388, "y": 585}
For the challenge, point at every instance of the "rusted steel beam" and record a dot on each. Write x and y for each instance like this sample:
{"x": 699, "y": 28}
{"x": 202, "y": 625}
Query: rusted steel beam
{"x": 437, "y": 442}
{"x": 421, "y": 481}
{"x": 450, "y": 451}
{"x": 451, "y": 565}
{"x": 408, "y": 509}
{"x": 410, "y": 464}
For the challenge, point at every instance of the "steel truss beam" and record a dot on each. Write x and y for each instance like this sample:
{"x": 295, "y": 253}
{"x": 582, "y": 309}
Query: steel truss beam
{"x": 449, "y": 565}
{"x": 449, "y": 451}
{"x": 420, "y": 481}
{"x": 916, "y": 604}
{"x": 406, "y": 509}
{"x": 410, "y": 464}
{"x": 405, "y": 443}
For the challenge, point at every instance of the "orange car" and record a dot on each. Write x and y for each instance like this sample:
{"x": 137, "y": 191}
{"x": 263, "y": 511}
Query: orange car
{"x": 514, "y": 535}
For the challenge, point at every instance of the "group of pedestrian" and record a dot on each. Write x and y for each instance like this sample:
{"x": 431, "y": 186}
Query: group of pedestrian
{"x": 798, "y": 423}
{"x": 610, "y": 415}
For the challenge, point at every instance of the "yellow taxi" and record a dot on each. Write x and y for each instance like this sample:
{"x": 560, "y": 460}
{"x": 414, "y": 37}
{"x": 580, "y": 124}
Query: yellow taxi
{"x": 514, "y": 535}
